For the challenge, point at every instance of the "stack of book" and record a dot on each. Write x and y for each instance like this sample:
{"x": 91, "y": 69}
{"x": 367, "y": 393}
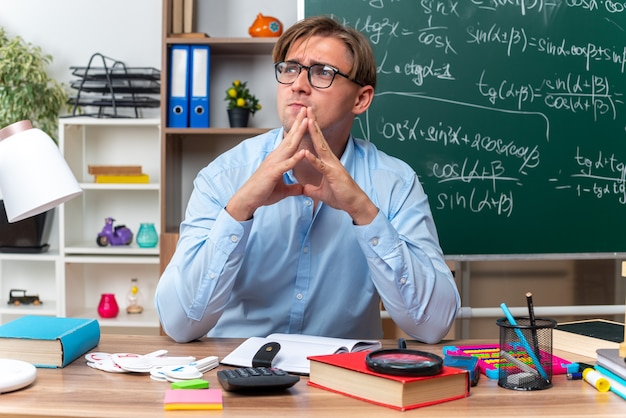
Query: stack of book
{"x": 587, "y": 336}
{"x": 118, "y": 174}
{"x": 610, "y": 359}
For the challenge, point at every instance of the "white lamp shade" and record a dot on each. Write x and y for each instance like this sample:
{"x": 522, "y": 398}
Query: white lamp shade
{"x": 34, "y": 177}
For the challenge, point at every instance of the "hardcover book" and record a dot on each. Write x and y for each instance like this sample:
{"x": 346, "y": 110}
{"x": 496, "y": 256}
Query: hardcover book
{"x": 585, "y": 337}
{"x": 347, "y": 374}
{"x": 132, "y": 178}
{"x": 47, "y": 341}
{"x": 114, "y": 170}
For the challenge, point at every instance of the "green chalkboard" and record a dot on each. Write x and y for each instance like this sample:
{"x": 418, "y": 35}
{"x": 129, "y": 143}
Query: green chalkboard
{"x": 511, "y": 113}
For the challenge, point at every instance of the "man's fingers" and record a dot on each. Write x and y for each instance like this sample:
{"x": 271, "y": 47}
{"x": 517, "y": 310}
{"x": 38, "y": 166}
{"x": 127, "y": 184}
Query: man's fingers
{"x": 316, "y": 162}
{"x": 291, "y": 162}
{"x": 319, "y": 142}
{"x": 296, "y": 133}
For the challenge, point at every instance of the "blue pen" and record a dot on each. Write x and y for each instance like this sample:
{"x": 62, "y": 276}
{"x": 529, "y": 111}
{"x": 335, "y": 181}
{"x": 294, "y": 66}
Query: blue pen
{"x": 522, "y": 340}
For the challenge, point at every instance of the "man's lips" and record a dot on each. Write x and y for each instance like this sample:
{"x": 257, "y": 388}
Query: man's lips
{"x": 297, "y": 105}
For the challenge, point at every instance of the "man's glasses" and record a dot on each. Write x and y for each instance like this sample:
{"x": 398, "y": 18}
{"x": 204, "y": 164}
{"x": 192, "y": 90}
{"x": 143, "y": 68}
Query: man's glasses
{"x": 320, "y": 76}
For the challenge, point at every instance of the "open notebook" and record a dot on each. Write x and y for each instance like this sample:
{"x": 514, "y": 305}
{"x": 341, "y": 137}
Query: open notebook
{"x": 294, "y": 350}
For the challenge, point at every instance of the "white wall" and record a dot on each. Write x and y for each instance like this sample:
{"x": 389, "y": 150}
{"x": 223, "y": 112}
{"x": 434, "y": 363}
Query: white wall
{"x": 130, "y": 31}
{"x": 73, "y": 30}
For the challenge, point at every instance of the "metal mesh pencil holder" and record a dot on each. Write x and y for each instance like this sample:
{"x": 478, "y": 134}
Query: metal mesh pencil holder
{"x": 525, "y": 353}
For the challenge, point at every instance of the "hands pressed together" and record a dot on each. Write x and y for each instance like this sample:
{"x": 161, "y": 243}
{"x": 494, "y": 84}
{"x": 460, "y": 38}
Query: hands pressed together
{"x": 336, "y": 188}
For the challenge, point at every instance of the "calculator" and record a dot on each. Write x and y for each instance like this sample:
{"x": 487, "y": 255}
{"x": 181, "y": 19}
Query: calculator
{"x": 256, "y": 379}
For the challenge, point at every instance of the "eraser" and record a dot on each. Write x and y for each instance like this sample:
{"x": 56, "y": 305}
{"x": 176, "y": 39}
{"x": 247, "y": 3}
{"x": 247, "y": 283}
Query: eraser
{"x": 520, "y": 379}
{"x": 468, "y": 363}
{"x": 191, "y": 384}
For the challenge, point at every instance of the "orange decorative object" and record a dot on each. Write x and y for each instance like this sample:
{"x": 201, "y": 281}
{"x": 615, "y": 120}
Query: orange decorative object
{"x": 265, "y": 27}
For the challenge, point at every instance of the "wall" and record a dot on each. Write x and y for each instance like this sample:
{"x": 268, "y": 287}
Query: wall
{"x": 73, "y": 30}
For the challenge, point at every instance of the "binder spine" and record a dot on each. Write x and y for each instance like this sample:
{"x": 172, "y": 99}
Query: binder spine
{"x": 199, "y": 92}
{"x": 178, "y": 98}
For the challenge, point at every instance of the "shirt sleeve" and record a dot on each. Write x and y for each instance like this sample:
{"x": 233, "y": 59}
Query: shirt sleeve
{"x": 409, "y": 270}
{"x": 195, "y": 286}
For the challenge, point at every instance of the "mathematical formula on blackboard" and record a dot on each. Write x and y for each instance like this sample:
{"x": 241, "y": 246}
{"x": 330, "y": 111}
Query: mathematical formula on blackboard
{"x": 511, "y": 112}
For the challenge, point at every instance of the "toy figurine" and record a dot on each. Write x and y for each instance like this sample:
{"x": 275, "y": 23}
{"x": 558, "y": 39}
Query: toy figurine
{"x": 118, "y": 235}
{"x": 266, "y": 27}
{"x": 19, "y": 297}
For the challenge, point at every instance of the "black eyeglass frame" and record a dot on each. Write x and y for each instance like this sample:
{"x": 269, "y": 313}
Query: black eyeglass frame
{"x": 308, "y": 73}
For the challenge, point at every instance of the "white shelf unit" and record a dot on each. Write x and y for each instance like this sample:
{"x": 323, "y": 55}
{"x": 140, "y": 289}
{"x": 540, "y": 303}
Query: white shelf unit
{"x": 89, "y": 270}
{"x": 35, "y": 273}
{"x": 38, "y": 274}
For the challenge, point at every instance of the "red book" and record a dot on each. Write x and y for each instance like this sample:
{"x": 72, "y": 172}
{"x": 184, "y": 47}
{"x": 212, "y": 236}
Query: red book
{"x": 347, "y": 374}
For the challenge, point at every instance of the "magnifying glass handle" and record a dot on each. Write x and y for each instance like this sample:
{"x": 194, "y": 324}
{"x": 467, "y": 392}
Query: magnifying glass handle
{"x": 401, "y": 343}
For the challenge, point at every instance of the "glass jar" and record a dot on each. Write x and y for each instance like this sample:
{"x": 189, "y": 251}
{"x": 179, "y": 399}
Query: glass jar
{"x": 108, "y": 306}
{"x": 147, "y": 236}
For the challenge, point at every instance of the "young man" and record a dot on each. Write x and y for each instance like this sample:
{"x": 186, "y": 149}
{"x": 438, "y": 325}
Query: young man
{"x": 305, "y": 229}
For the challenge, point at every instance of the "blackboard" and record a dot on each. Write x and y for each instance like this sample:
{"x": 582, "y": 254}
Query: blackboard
{"x": 511, "y": 112}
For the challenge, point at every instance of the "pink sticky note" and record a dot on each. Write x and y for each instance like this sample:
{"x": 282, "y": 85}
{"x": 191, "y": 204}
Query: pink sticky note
{"x": 193, "y": 399}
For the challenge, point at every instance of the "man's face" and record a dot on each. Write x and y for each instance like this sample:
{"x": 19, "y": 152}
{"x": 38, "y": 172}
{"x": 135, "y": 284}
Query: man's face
{"x": 332, "y": 106}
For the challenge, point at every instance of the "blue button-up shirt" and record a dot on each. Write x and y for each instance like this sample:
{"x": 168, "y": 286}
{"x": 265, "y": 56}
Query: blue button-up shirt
{"x": 294, "y": 268}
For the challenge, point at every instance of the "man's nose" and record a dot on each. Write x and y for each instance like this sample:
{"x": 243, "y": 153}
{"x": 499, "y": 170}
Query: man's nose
{"x": 302, "y": 81}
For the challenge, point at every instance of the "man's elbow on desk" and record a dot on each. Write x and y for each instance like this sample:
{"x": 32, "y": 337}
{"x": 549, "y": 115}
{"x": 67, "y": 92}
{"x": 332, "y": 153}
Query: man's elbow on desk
{"x": 432, "y": 331}
{"x": 174, "y": 321}
{"x": 181, "y": 329}
{"x": 436, "y": 324}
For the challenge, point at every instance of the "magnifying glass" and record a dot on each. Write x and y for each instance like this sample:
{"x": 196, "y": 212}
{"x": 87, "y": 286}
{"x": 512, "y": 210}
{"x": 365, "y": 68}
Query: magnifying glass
{"x": 404, "y": 362}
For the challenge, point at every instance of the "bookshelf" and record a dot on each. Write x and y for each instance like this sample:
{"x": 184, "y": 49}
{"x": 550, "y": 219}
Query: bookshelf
{"x": 223, "y": 26}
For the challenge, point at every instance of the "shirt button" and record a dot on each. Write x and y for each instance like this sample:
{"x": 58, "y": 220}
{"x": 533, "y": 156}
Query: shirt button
{"x": 308, "y": 202}
{"x": 403, "y": 280}
{"x": 299, "y": 296}
{"x": 212, "y": 276}
{"x": 374, "y": 241}
{"x": 305, "y": 250}
{"x": 234, "y": 238}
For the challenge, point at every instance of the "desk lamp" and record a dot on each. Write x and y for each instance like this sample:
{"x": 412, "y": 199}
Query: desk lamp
{"x": 34, "y": 178}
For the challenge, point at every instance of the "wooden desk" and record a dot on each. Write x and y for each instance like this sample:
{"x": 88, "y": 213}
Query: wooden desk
{"x": 80, "y": 391}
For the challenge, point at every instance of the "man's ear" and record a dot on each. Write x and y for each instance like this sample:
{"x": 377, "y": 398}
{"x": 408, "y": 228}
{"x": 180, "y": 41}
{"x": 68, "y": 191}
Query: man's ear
{"x": 363, "y": 100}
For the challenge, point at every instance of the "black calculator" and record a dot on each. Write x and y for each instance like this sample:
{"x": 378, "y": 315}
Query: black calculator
{"x": 256, "y": 379}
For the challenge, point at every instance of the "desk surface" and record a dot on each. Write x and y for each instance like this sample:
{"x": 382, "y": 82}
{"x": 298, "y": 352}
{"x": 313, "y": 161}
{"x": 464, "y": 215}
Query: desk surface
{"x": 80, "y": 391}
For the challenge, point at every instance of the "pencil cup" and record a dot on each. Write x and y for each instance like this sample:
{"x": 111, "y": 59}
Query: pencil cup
{"x": 525, "y": 353}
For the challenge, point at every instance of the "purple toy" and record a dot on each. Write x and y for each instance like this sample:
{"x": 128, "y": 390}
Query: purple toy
{"x": 118, "y": 235}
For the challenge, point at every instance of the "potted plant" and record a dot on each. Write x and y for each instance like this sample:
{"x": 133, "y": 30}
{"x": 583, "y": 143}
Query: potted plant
{"x": 27, "y": 93}
{"x": 241, "y": 104}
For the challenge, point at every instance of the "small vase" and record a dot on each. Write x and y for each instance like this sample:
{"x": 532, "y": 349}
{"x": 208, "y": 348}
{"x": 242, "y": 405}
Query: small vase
{"x": 108, "y": 306}
{"x": 147, "y": 236}
{"x": 238, "y": 117}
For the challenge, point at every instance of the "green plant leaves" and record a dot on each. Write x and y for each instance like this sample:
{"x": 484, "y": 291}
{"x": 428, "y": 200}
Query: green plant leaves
{"x": 26, "y": 90}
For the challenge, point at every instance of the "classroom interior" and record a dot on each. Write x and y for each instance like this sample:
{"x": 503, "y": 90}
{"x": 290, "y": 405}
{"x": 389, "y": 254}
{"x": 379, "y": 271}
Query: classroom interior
{"x": 568, "y": 281}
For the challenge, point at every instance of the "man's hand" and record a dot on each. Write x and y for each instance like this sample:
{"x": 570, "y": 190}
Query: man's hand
{"x": 266, "y": 185}
{"x": 337, "y": 188}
